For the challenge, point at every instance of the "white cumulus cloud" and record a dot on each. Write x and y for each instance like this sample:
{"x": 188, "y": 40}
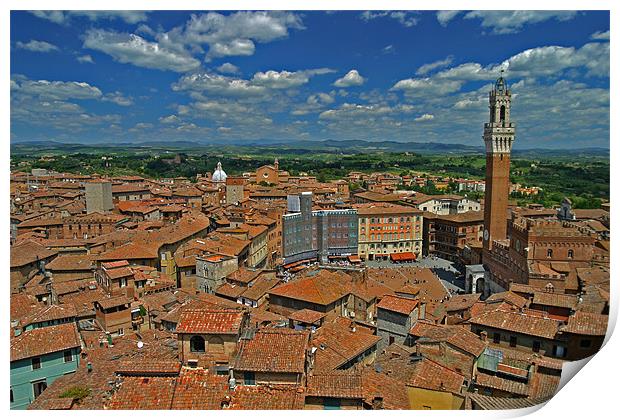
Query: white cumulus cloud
{"x": 36, "y": 46}
{"x": 133, "y": 49}
{"x": 352, "y": 78}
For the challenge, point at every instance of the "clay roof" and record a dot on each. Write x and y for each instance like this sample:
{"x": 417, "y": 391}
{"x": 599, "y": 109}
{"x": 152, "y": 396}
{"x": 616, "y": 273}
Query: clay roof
{"x": 307, "y": 316}
{"x": 461, "y": 302}
{"x": 22, "y": 305}
{"x": 57, "y": 404}
{"x": 114, "y": 301}
{"x": 487, "y": 402}
{"x": 210, "y": 321}
{"x": 336, "y": 343}
{"x": 274, "y": 397}
{"x": 260, "y": 288}
{"x": 129, "y": 188}
{"x": 273, "y": 350}
{"x": 336, "y": 384}
{"x": 51, "y": 313}
{"x": 39, "y": 341}
{"x": 555, "y": 299}
{"x": 584, "y": 323}
{"x": 456, "y": 336}
{"x": 120, "y": 272}
{"x": 398, "y": 304}
{"x": 140, "y": 393}
{"x": 199, "y": 389}
{"x": 502, "y": 384}
{"x": 517, "y": 322}
{"x": 147, "y": 367}
{"x": 243, "y": 275}
{"x": 230, "y": 290}
{"x": 66, "y": 262}
{"x": 158, "y": 345}
{"x": 375, "y": 384}
{"x": 433, "y": 376}
{"x": 321, "y": 287}
{"x": 29, "y": 252}
{"x": 507, "y": 296}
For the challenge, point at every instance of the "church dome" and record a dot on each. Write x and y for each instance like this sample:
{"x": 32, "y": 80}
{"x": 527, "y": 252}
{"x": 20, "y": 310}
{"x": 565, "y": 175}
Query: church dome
{"x": 219, "y": 175}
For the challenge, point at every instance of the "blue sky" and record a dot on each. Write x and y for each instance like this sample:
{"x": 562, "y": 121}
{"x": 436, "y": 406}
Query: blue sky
{"x": 220, "y": 76}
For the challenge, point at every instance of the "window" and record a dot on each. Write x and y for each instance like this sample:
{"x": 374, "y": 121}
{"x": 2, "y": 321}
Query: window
{"x": 68, "y": 356}
{"x": 536, "y": 346}
{"x": 496, "y": 337}
{"x": 571, "y": 253}
{"x": 391, "y": 340}
{"x": 513, "y": 341}
{"x": 12, "y": 399}
{"x": 559, "y": 351}
{"x": 121, "y": 331}
{"x": 549, "y": 253}
{"x": 38, "y": 387}
{"x": 197, "y": 344}
{"x": 331, "y": 403}
{"x": 123, "y": 282}
{"x": 36, "y": 363}
{"x": 248, "y": 378}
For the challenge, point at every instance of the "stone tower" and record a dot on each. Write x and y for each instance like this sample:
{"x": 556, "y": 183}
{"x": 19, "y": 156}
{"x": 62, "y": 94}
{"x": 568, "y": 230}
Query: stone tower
{"x": 499, "y": 134}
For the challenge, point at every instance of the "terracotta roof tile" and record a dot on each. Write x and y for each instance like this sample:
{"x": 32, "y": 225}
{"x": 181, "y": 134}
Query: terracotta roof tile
{"x": 431, "y": 375}
{"x": 307, "y": 316}
{"x": 209, "y": 321}
{"x": 517, "y": 322}
{"x": 273, "y": 350}
{"x": 398, "y": 304}
{"x": 336, "y": 384}
{"x": 584, "y": 323}
{"x": 336, "y": 343}
{"x": 44, "y": 340}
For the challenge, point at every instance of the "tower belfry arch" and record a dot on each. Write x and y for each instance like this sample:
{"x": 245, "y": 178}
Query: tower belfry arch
{"x": 498, "y": 135}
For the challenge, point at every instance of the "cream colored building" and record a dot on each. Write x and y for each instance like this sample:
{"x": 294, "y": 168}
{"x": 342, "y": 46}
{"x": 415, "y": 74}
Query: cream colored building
{"x": 385, "y": 229}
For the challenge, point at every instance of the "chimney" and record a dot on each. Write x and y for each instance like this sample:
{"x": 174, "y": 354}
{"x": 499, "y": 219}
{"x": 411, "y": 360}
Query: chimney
{"x": 232, "y": 383}
{"x": 225, "y": 402}
{"x": 377, "y": 403}
{"x": 89, "y": 367}
{"x": 483, "y": 336}
{"x": 352, "y": 326}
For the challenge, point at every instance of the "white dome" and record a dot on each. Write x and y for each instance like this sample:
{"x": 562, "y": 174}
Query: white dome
{"x": 219, "y": 175}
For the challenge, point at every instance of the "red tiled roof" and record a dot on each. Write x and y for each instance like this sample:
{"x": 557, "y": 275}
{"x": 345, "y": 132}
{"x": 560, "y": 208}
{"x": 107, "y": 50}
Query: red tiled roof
{"x": 39, "y": 341}
{"x": 585, "y": 323}
{"x": 336, "y": 343}
{"x": 431, "y": 375}
{"x": 29, "y": 252}
{"x": 336, "y": 384}
{"x": 517, "y": 322}
{"x": 140, "y": 393}
{"x": 209, "y": 321}
{"x": 148, "y": 367}
{"x": 114, "y": 301}
{"x": 68, "y": 262}
{"x": 307, "y": 316}
{"x": 273, "y": 350}
{"x": 323, "y": 288}
{"x": 398, "y": 304}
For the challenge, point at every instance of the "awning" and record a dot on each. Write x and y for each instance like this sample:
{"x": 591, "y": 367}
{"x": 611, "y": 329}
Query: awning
{"x": 354, "y": 259}
{"x": 402, "y": 256}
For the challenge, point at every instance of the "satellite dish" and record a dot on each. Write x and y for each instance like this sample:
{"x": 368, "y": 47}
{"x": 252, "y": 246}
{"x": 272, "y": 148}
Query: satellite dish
{"x": 140, "y": 344}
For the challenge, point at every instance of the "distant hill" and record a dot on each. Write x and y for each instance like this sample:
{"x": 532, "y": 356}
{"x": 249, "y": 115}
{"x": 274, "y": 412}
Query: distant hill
{"x": 325, "y": 146}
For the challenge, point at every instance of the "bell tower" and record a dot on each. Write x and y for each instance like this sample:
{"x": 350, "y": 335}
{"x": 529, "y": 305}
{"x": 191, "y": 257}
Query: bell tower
{"x": 499, "y": 134}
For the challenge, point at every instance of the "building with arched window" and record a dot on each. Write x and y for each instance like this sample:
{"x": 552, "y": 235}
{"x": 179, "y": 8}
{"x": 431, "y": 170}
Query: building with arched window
{"x": 209, "y": 335}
